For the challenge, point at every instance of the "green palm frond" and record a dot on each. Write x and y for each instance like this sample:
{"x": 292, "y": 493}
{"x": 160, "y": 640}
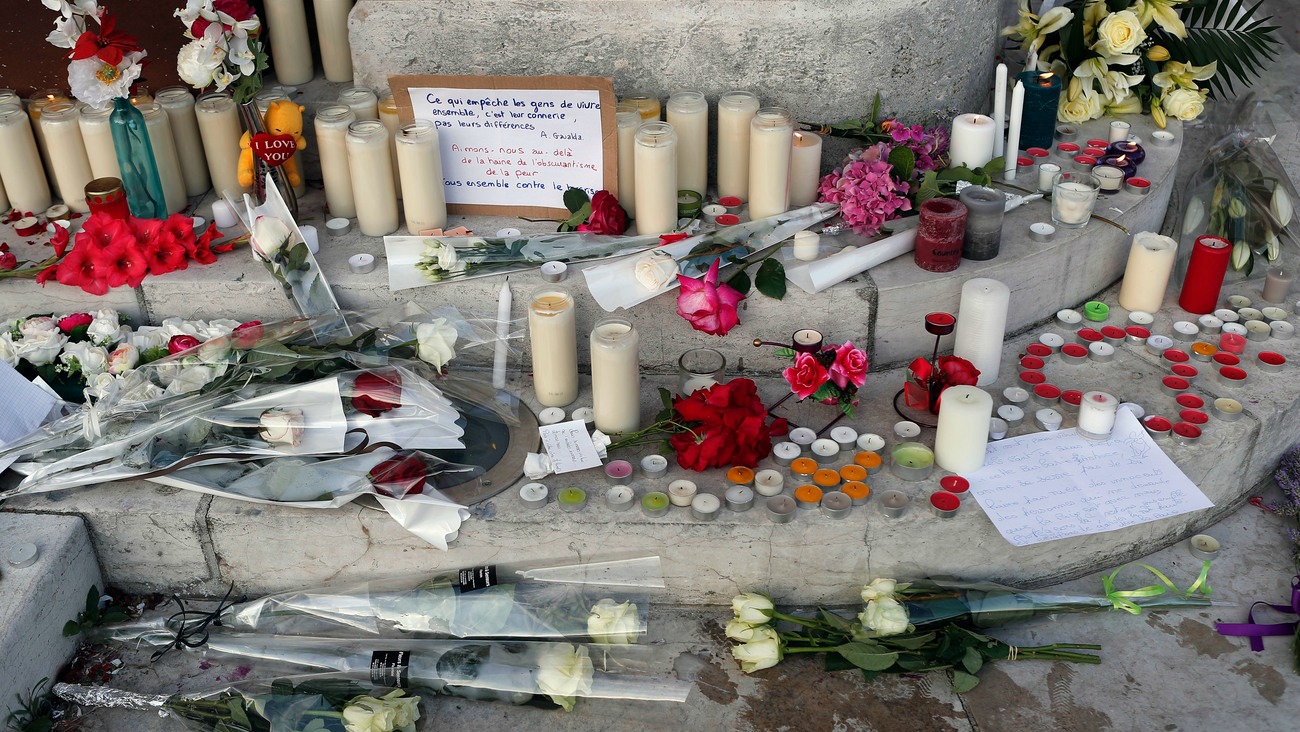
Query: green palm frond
{"x": 1225, "y": 31}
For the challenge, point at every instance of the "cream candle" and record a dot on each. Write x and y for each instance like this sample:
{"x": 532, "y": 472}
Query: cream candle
{"x": 647, "y": 105}
{"x": 1013, "y": 136}
{"x": 982, "y": 325}
{"x": 165, "y": 156}
{"x": 331, "y": 124}
{"x": 1277, "y": 283}
{"x": 805, "y": 168}
{"x": 552, "y": 330}
{"x": 1000, "y": 110}
{"x": 972, "y": 140}
{"x": 20, "y": 165}
{"x": 286, "y": 21}
{"x": 656, "y": 178}
{"x": 771, "y": 135}
{"x": 736, "y": 111}
{"x": 97, "y": 134}
{"x": 4, "y": 196}
{"x": 362, "y": 100}
{"x": 420, "y": 160}
{"x": 370, "y": 166}
{"x": 1150, "y": 261}
{"x": 178, "y": 103}
{"x": 628, "y": 120}
{"x": 688, "y": 113}
{"x": 1047, "y": 176}
{"x": 36, "y": 105}
{"x": 69, "y": 165}
{"x": 332, "y": 34}
{"x": 1097, "y": 415}
{"x": 615, "y": 375}
{"x": 387, "y": 107}
{"x": 220, "y": 131}
{"x": 769, "y": 482}
{"x": 963, "y": 433}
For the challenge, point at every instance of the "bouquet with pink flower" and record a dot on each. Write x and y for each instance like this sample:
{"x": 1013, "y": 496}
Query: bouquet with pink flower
{"x": 866, "y": 189}
{"x": 829, "y": 373}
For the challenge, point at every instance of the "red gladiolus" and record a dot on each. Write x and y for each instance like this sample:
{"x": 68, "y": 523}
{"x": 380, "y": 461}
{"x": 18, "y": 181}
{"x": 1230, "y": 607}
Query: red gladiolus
{"x": 78, "y": 269}
{"x": 181, "y": 229}
{"x": 398, "y": 476}
{"x": 69, "y": 323}
{"x": 665, "y": 239}
{"x": 144, "y": 229}
{"x": 607, "y": 216}
{"x": 164, "y": 254}
{"x": 100, "y": 232}
{"x": 706, "y": 305}
{"x": 110, "y": 45}
{"x": 122, "y": 264}
{"x": 377, "y": 392}
{"x": 59, "y": 240}
{"x": 806, "y": 376}
{"x": 46, "y": 274}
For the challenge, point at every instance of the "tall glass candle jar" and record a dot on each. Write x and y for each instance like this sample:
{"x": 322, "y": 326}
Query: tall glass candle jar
{"x": 370, "y": 165}
{"x": 688, "y": 113}
{"x": 178, "y": 103}
{"x": 164, "y": 155}
{"x": 771, "y": 136}
{"x": 983, "y": 237}
{"x": 615, "y": 376}
{"x": 552, "y": 330}
{"x": 1038, "y": 119}
{"x": 420, "y": 161}
{"x": 362, "y": 100}
{"x": 939, "y": 235}
{"x": 220, "y": 130}
{"x": 68, "y": 162}
{"x": 656, "y": 178}
{"x": 387, "y": 107}
{"x": 36, "y": 105}
{"x": 805, "y": 169}
{"x": 20, "y": 165}
{"x": 647, "y": 105}
{"x": 332, "y": 33}
{"x": 628, "y": 120}
{"x": 286, "y": 21}
{"x": 97, "y": 134}
{"x": 332, "y": 122}
{"x": 736, "y": 109}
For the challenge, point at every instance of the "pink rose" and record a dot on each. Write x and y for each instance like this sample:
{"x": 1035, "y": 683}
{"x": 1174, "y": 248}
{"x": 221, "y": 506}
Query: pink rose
{"x": 706, "y": 305}
{"x": 806, "y": 376}
{"x": 69, "y": 323}
{"x": 850, "y": 366}
{"x": 182, "y": 342}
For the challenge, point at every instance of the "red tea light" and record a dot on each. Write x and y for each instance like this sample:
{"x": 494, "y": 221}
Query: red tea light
{"x": 1232, "y": 376}
{"x": 944, "y": 504}
{"x": 1157, "y": 426}
{"x": 1186, "y": 433}
{"x": 727, "y": 219}
{"x": 1186, "y": 371}
{"x": 1194, "y": 416}
{"x": 940, "y": 324}
{"x": 1047, "y": 394}
{"x": 1271, "y": 361}
{"x": 1073, "y": 353}
{"x": 1173, "y": 355}
{"x": 1138, "y": 186}
{"x": 1190, "y": 401}
{"x": 1232, "y": 343}
{"x": 1136, "y": 334}
{"x": 1031, "y": 363}
{"x": 1037, "y": 152}
{"x": 1098, "y": 142}
{"x": 1087, "y": 336}
{"x": 1085, "y": 162}
{"x": 955, "y": 484}
{"x": 731, "y": 203}
{"x": 1069, "y": 149}
{"x": 27, "y": 226}
{"x": 1222, "y": 358}
{"x": 1039, "y": 350}
{"x": 1032, "y": 378}
{"x": 1024, "y": 161}
{"x": 1095, "y": 152}
{"x": 1113, "y": 334}
{"x": 1174, "y": 385}
{"x": 1070, "y": 400}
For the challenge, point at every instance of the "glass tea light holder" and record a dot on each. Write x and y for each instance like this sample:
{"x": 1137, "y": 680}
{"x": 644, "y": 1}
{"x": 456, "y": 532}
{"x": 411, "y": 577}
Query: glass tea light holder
{"x": 1074, "y": 194}
{"x": 699, "y": 368}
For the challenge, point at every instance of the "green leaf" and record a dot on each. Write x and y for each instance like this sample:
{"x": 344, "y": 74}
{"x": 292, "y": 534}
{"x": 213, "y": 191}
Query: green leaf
{"x": 836, "y": 621}
{"x": 963, "y": 682}
{"x": 739, "y": 282}
{"x": 866, "y": 656}
{"x": 1230, "y": 32}
{"x": 827, "y": 391}
{"x": 71, "y": 628}
{"x": 875, "y": 110}
{"x": 575, "y": 198}
{"x": 836, "y": 662}
{"x": 771, "y": 279}
{"x": 1074, "y": 47}
{"x": 92, "y": 601}
{"x": 578, "y": 218}
{"x": 904, "y": 162}
{"x": 785, "y": 353}
{"x": 991, "y": 168}
{"x": 972, "y": 661}
{"x": 910, "y": 642}
{"x": 666, "y": 398}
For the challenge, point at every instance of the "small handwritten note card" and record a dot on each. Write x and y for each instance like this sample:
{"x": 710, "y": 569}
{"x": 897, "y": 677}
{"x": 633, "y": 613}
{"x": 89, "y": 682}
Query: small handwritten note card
{"x": 517, "y": 142}
{"x": 569, "y": 446}
{"x": 1054, "y": 485}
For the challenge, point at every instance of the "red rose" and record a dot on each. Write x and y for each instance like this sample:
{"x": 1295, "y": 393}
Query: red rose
{"x": 237, "y": 9}
{"x": 955, "y": 371}
{"x": 713, "y": 449}
{"x": 398, "y": 476}
{"x": 247, "y": 335}
{"x": 607, "y": 216}
{"x": 728, "y": 427}
{"x": 850, "y": 366}
{"x": 8, "y": 261}
{"x": 374, "y": 392}
{"x": 69, "y": 323}
{"x": 181, "y": 342}
{"x": 806, "y": 376}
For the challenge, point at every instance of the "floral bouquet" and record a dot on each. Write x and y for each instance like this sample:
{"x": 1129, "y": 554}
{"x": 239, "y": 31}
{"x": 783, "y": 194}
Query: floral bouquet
{"x": 1129, "y": 56}
{"x": 828, "y": 373}
{"x": 225, "y": 49}
{"x": 926, "y": 380}
{"x": 108, "y": 252}
{"x": 105, "y": 62}
{"x": 280, "y": 245}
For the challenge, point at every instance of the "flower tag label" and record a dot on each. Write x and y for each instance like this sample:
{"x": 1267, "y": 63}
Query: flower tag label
{"x": 274, "y": 150}
{"x": 390, "y": 668}
{"x": 476, "y": 578}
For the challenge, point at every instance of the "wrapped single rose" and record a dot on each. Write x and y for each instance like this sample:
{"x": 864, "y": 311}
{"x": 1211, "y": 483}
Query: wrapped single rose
{"x": 179, "y": 343}
{"x": 655, "y": 270}
{"x": 247, "y": 335}
{"x": 270, "y": 237}
{"x": 436, "y": 342}
{"x": 376, "y": 392}
{"x": 607, "y": 216}
{"x": 281, "y": 426}
{"x": 614, "y": 623}
{"x": 399, "y": 476}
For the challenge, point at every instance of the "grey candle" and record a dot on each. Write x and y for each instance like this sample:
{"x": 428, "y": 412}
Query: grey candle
{"x": 983, "y": 222}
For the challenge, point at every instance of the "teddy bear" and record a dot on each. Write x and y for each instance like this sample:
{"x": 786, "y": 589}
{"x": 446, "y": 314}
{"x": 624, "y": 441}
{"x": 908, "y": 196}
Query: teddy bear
{"x": 282, "y": 118}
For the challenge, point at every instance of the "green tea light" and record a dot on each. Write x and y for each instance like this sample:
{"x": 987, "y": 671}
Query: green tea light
{"x": 912, "y": 461}
{"x": 655, "y": 504}
{"x": 571, "y": 499}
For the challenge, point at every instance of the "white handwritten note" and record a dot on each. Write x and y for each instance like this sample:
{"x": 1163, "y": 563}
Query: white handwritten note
{"x": 515, "y": 147}
{"x": 569, "y": 446}
{"x": 1054, "y": 485}
{"x": 27, "y": 406}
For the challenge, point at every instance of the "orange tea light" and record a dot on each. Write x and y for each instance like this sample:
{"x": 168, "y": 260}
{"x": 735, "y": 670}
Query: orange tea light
{"x": 869, "y": 460}
{"x": 856, "y": 490}
{"x": 826, "y": 478}
{"x": 808, "y": 496}
{"x": 740, "y": 475}
{"x": 803, "y": 466}
{"x": 853, "y": 472}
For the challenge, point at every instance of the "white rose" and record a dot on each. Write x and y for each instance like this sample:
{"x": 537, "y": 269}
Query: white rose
{"x": 40, "y": 349}
{"x": 105, "y": 330}
{"x": 1118, "y": 34}
{"x": 189, "y": 379}
{"x": 177, "y": 326}
{"x": 437, "y": 341}
{"x": 219, "y": 328}
{"x": 90, "y": 359}
{"x": 614, "y": 624}
{"x": 1184, "y": 104}
{"x": 655, "y": 270}
{"x": 123, "y": 358}
{"x": 564, "y": 671}
{"x": 282, "y": 426}
{"x": 1080, "y": 108}
{"x": 149, "y": 336}
{"x": 752, "y": 608}
{"x": 879, "y": 589}
{"x": 886, "y": 617}
{"x": 758, "y": 655}
{"x": 38, "y": 326}
{"x": 214, "y": 352}
{"x": 198, "y": 60}
{"x": 746, "y": 633}
{"x": 270, "y": 237}
{"x": 360, "y": 715}
{"x": 101, "y": 386}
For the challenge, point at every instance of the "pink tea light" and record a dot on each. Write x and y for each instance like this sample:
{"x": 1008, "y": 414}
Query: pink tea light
{"x": 1232, "y": 343}
{"x": 617, "y": 472}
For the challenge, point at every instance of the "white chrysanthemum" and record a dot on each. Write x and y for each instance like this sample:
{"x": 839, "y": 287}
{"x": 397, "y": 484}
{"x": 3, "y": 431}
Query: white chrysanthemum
{"x": 198, "y": 61}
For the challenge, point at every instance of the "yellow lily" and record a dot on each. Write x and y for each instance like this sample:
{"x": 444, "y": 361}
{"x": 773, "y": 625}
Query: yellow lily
{"x": 1031, "y": 28}
{"x": 1158, "y": 115}
{"x": 1157, "y": 53}
{"x": 1163, "y": 13}
{"x": 1179, "y": 75}
{"x": 1094, "y": 11}
{"x": 1127, "y": 104}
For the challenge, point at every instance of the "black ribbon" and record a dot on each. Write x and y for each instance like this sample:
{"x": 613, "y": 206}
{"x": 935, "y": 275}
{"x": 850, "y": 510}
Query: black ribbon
{"x": 191, "y": 626}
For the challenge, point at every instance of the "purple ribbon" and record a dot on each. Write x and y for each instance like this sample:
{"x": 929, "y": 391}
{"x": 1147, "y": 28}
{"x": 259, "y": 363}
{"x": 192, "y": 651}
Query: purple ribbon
{"x": 1257, "y": 631}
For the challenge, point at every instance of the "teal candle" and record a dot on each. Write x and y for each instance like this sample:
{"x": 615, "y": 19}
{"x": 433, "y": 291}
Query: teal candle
{"x": 1042, "y": 97}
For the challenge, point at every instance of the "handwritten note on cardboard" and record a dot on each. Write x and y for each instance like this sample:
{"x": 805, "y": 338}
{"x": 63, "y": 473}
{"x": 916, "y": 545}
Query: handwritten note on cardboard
{"x": 511, "y": 145}
{"x": 1054, "y": 485}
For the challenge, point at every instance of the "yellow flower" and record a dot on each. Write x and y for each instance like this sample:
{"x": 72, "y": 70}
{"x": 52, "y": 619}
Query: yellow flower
{"x": 1127, "y": 104}
{"x": 1185, "y": 104}
{"x": 1118, "y": 35}
{"x": 1080, "y": 104}
{"x": 1094, "y": 11}
{"x": 1157, "y": 53}
{"x": 1158, "y": 115}
{"x": 1030, "y": 28}
{"x": 1164, "y": 14}
{"x": 1176, "y": 74}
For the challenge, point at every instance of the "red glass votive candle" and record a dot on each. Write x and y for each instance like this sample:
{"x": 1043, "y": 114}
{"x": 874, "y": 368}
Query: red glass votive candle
{"x": 107, "y": 196}
{"x": 940, "y": 324}
{"x": 1190, "y": 401}
{"x": 939, "y": 235}
{"x": 1031, "y": 363}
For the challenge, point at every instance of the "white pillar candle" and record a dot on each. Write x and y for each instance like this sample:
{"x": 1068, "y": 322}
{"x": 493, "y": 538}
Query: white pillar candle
{"x": 286, "y": 21}
{"x": 771, "y": 136}
{"x": 1097, "y": 415}
{"x": 165, "y": 156}
{"x": 220, "y": 130}
{"x": 1000, "y": 109}
{"x": 981, "y": 325}
{"x": 68, "y": 162}
{"x": 387, "y": 107}
{"x": 963, "y": 433}
{"x": 20, "y": 165}
{"x": 805, "y": 168}
{"x": 552, "y": 330}
{"x": 420, "y": 160}
{"x": 178, "y": 103}
{"x": 656, "y": 178}
{"x": 615, "y": 376}
{"x": 331, "y": 124}
{"x": 1118, "y": 131}
{"x": 1150, "y": 260}
{"x": 332, "y": 34}
{"x": 370, "y": 165}
{"x": 688, "y": 113}
{"x": 628, "y": 120}
{"x": 972, "y": 140}
{"x": 97, "y": 134}
{"x": 736, "y": 110}
{"x": 362, "y": 100}
{"x": 36, "y": 105}
{"x": 1013, "y": 136}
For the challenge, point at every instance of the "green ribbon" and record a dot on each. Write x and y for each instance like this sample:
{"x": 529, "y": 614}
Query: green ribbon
{"x": 1124, "y": 599}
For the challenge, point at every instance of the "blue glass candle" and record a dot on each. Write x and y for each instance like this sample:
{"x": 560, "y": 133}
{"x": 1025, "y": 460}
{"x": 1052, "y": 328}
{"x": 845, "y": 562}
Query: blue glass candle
{"x": 1042, "y": 97}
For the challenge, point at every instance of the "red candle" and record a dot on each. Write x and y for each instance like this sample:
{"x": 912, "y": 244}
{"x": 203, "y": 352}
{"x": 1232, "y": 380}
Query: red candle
{"x": 954, "y": 484}
{"x": 1097, "y": 142}
{"x": 1088, "y": 335}
{"x": 1205, "y": 271}
{"x": 1024, "y": 161}
{"x": 1186, "y": 371}
{"x": 1190, "y": 401}
{"x": 1138, "y": 331}
{"x": 1096, "y": 152}
{"x": 106, "y": 195}
{"x": 1032, "y": 378}
{"x": 1194, "y": 416}
{"x": 1185, "y": 429}
{"x": 1272, "y": 358}
{"x": 727, "y": 219}
{"x": 944, "y": 501}
{"x": 1085, "y": 160}
{"x": 1233, "y": 374}
{"x": 1075, "y": 350}
{"x": 1037, "y": 152}
{"x": 1038, "y": 349}
{"x": 1047, "y": 392}
{"x": 1232, "y": 343}
{"x": 940, "y": 324}
{"x": 1031, "y": 363}
{"x": 1112, "y": 332}
{"x": 1072, "y": 396}
{"x": 939, "y": 234}
{"x": 1175, "y": 383}
{"x": 1068, "y": 148}
{"x": 1223, "y": 358}
{"x": 1173, "y": 355}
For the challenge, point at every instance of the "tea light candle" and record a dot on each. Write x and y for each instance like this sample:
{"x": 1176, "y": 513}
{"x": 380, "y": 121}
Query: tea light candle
{"x": 1282, "y": 330}
{"x": 550, "y": 415}
{"x": 1236, "y": 302}
{"x": 681, "y": 492}
{"x": 785, "y": 452}
{"x": 1137, "y": 186}
{"x": 1046, "y": 176}
{"x": 1112, "y": 334}
{"x": 870, "y": 462}
{"x": 533, "y": 495}
{"x": 853, "y": 472}
{"x": 1046, "y": 395}
{"x": 739, "y": 498}
{"x": 1235, "y": 329}
{"x": 1258, "y": 330}
{"x": 705, "y": 507}
{"x": 836, "y": 505}
{"x": 857, "y": 491}
{"x": 1184, "y": 371}
{"x": 1011, "y": 414}
{"x": 1118, "y": 130}
{"x": 1162, "y": 138}
{"x": 740, "y": 475}
{"x": 912, "y": 461}
{"x": 223, "y": 216}
{"x": 998, "y": 428}
{"x": 845, "y": 437}
{"x": 825, "y": 448}
{"x": 1203, "y": 351}
{"x": 571, "y": 499}
{"x": 1088, "y": 336}
{"x": 1223, "y": 358}
{"x": 807, "y": 496}
{"x": 337, "y": 226}
{"x": 655, "y": 504}
{"x": 1271, "y": 362}
{"x": 1209, "y": 324}
{"x": 617, "y": 472}
{"x": 1186, "y": 433}
{"x": 780, "y": 509}
{"x": 1101, "y": 352}
{"x": 1032, "y": 363}
{"x": 1066, "y": 132}
{"x": 1228, "y": 410}
{"x": 1110, "y": 178}
{"x": 1273, "y": 314}
{"x": 1158, "y": 344}
{"x": 1135, "y": 409}
{"x": 619, "y": 498}
{"x": 1232, "y": 376}
{"x": 769, "y": 482}
{"x": 1068, "y": 149}
{"x": 1015, "y": 395}
{"x": 893, "y": 504}
{"x": 944, "y": 504}
{"x": 906, "y": 430}
{"x": 1052, "y": 341}
{"x": 1194, "y": 416}
{"x": 871, "y": 442}
{"x": 826, "y": 478}
{"x": 1039, "y": 350}
{"x": 803, "y": 468}
{"x": 1185, "y": 330}
{"x": 1049, "y": 419}
{"x": 1136, "y": 335}
{"x": 1070, "y": 401}
{"x": 807, "y": 245}
{"x": 1068, "y": 319}
{"x": 1190, "y": 401}
{"x": 1203, "y": 547}
{"x": 1037, "y": 152}
{"x": 803, "y": 437}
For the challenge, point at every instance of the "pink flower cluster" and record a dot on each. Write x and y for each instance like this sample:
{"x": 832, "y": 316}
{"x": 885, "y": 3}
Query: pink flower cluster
{"x": 930, "y": 146}
{"x": 866, "y": 190}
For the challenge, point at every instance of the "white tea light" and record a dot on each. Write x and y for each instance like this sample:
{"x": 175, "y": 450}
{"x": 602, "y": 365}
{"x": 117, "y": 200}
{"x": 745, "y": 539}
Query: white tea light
{"x": 807, "y": 244}
{"x": 223, "y": 215}
{"x": 1048, "y": 419}
{"x": 533, "y": 495}
{"x": 1052, "y": 341}
{"x": 871, "y": 442}
{"x": 907, "y": 430}
{"x": 739, "y": 498}
{"x": 845, "y": 437}
{"x": 337, "y": 226}
{"x": 769, "y": 482}
{"x": 554, "y": 271}
{"x": 705, "y": 507}
{"x": 1042, "y": 231}
{"x": 1069, "y": 319}
{"x": 1011, "y": 414}
{"x": 654, "y": 466}
{"x": 586, "y": 414}
{"x": 784, "y": 453}
{"x": 362, "y": 263}
{"x": 550, "y": 415}
{"x": 1142, "y": 318}
{"x": 1015, "y": 395}
{"x": 619, "y": 498}
{"x": 803, "y": 437}
{"x": 825, "y": 448}
{"x": 681, "y": 492}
